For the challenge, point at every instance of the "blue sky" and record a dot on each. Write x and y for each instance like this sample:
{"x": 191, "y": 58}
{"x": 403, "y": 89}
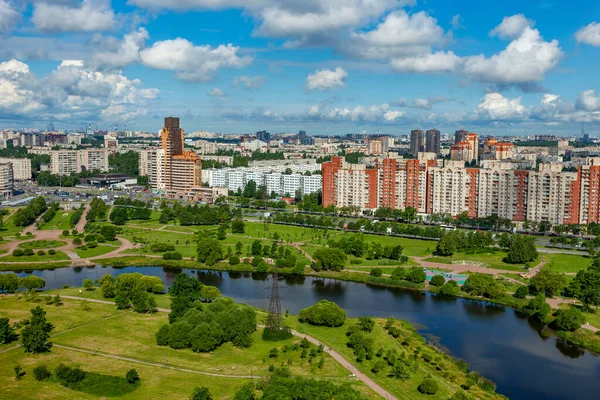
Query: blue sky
{"x": 341, "y": 66}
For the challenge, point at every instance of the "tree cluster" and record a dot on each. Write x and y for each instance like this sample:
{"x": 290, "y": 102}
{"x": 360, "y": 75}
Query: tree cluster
{"x": 586, "y": 285}
{"x": 325, "y": 313}
{"x": 132, "y": 290}
{"x": 204, "y": 327}
{"x": 97, "y": 211}
{"x": 329, "y": 259}
{"x": 483, "y": 285}
{"x": 27, "y": 215}
{"x": 126, "y": 209}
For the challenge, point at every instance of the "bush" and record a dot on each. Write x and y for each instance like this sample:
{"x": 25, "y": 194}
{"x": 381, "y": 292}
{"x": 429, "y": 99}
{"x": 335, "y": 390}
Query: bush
{"x": 416, "y": 275}
{"x": 28, "y": 252}
{"x": 256, "y": 261}
{"x": 438, "y": 280}
{"x": 68, "y": 375}
{"x": 376, "y": 272}
{"x": 449, "y": 288}
{"x": 172, "y": 255}
{"x": 262, "y": 267}
{"x": 65, "y": 233}
{"x": 428, "y": 386}
{"x": 521, "y": 292}
{"x": 324, "y": 313}
{"x": 52, "y": 252}
{"x": 201, "y": 393}
{"x": 17, "y": 252}
{"x": 41, "y": 253}
{"x": 132, "y": 376}
{"x": 41, "y": 373}
{"x": 234, "y": 260}
{"x": 88, "y": 284}
{"x": 158, "y": 288}
{"x": 92, "y": 245}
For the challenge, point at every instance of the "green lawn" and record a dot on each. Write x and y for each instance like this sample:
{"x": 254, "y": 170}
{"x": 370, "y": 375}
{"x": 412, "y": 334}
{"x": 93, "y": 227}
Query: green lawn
{"x": 42, "y": 244}
{"x": 97, "y": 251}
{"x": 492, "y": 260}
{"x": 8, "y": 228}
{"x": 61, "y": 221}
{"x": 568, "y": 263}
{"x": 59, "y": 256}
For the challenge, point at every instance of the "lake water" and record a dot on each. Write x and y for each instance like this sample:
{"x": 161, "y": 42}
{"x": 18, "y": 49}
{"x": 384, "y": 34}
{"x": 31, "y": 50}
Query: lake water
{"x": 498, "y": 342}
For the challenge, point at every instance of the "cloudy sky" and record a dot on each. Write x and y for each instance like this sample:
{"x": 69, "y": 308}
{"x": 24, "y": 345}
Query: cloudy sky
{"x": 327, "y": 67}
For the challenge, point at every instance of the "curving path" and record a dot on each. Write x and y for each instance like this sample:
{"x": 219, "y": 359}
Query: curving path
{"x": 334, "y": 354}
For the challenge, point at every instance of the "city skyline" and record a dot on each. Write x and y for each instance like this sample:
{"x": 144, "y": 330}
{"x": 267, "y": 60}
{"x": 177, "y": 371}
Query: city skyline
{"x": 393, "y": 66}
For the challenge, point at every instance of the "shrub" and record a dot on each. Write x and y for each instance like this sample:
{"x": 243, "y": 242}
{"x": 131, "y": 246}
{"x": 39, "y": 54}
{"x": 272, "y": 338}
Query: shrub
{"x": 65, "y": 286}
{"x": 416, "y": 275}
{"x": 172, "y": 255}
{"x": 68, "y": 375}
{"x": 132, "y": 376}
{"x": 398, "y": 273}
{"x": 65, "y": 233}
{"x": 234, "y": 260}
{"x": 17, "y": 252}
{"x": 158, "y": 288}
{"x": 41, "y": 373}
{"x": 376, "y": 272}
{"x": 28, "y": 252}
{"x": 201, "y": 393}
{"x": 428, "y": 386}
{"x": 324, "y": 313}
{"x": 449, "y": 288}
{"x": 41, "y": 253}
{"x": 262, "y": 267}
{"x": 162, "y": 336}
{"x": 92, "y": 245}
{"x": 88, "y": 284}
{"x": 438, "y": 280}
{"x": 521, "y": 292}
{"x": 256, "y": 261}
{"x": 52, "y": 252}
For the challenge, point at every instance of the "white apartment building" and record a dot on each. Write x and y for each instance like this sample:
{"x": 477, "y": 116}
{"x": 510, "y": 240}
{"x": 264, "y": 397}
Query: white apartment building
{"x": 6, "y": 180}
{"x": 549, "y": 194}
{"x": 276, "y": 182}
{"x": 453, "y": 187}
{"x": 353, "y": 186}
{"x": 152, "y": 163}
{"x": 65, "y": 162}
{"x": 21, "y": 168}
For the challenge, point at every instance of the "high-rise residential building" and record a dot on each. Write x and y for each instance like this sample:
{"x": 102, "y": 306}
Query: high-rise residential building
{"x": 549, "y": 194}
{"x": 182, "y": 169}
{"x": 65, "y": 162}
{"x": 21, "y": 168}
{"x": 151, "y": 165}
{"x": 467, "y": 149}
{"x": 459, "y": 135}
{"x": 263, "y": 136}
{"x": 495, "y": 150}
{"x": 432, "y": 141}
{"x": 6, "y": 180}
{"x": 346, "y": 184}
{"x": 417, "y": 141}
{"x": 110, "y": 142}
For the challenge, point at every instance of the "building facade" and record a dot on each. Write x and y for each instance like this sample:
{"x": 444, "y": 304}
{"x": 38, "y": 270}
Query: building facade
{"x": 6, "y": 180}
{"x": 21, "y": 168}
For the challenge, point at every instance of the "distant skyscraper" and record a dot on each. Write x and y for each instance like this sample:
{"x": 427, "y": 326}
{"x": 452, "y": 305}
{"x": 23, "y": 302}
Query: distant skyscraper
{"x": 432, "y": 141}
{"x": 417, "y": 141}
{"x": 263, "y": 136}
{"x": 459, "y": 136}
{"x": 182, "y": 169}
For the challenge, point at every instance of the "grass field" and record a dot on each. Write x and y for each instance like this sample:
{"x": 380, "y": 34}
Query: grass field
{"x": 61, "y": 221}
{"x": 492, "y": 260}
{"x": 8, "y": 228}
{"x": 97, "y": 251}
{"x": 42, "y": 244}
{"x": 108, "y": 332}
{"x": 59, "y": 256}
{"x": 568, "y": 263}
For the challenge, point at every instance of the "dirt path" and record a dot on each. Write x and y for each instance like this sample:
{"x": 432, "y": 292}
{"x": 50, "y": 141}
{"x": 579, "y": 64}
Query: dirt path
{"x": 298, "y": 246}
{"x": 83, "y": 220}
{"x": 335, "y": 355}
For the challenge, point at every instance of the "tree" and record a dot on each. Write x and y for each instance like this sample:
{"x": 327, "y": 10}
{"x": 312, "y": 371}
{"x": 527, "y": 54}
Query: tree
{"x": 88, "y": 284}
{"x": 7, "y": 332}
{"x": 482, "y": 285}
{"x": 119, "y": 216}
{"x": 202, "y": 393}
{"x": 449, "y": 288}
{"x": 222, "y": 232}
{"x": 9, "y": 283}
{"x": 377, "y": 272}
{"x": 538, "y": 308}
{"x": 237, "y": 226}
{"x": 41, "y": 373}
{"x": 428, "y": 386}
{"x": 569, "y": 320}
{"x": 521, "y": 292}
{"x": 437, "y": 280}
{"x": 32, "y": 282}
{"x": 416, "y": 275}
{"x": 256, "y": 248}
{"x": 209, "y": 251}
{"x": 34, "y": 337}
{"x": 109, "y": 232}
{"x": 234, "y": 260}
{"x": 324, "y": 313}
{"x": 586, "y": 285}
{"x": 238, "y": 247}
{"x": 329, "y": 259}
{"x": 132, "y": 376}
{"x": 366, "y": 323}
{"x": 447, "y": 245}
{"x": 522, "y": 250}
{"x": 547, "y": 282}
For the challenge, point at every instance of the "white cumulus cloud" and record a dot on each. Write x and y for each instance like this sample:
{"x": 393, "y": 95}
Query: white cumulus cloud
{"x": 589, "y": 34}
{"x": 440, "y": 61}
{"x": 216, "y": 92}
{"x": 325, "y": 79}
{"x": 526, "y": 59}
{"x": 192, "y": 63}
{"x": 123, "y": 52}
{"x": 512, "y": 27}
{"x": 9, "y": 16}
{"x": 588, "y": 101}
{"x": 90, "y": 16}
{"x": 497, "y": 107}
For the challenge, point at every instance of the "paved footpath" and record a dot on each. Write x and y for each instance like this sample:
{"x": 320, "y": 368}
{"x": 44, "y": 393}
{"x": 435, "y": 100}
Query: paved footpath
{"x": 334, "y": 354}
